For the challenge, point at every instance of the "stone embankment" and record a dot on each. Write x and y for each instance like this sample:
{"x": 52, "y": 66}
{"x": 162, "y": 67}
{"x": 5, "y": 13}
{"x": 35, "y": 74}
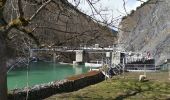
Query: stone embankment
{"x": 69, "y": 84}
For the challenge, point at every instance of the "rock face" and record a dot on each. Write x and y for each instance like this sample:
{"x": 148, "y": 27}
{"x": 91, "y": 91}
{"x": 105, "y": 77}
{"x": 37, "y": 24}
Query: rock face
{"x": 148, "y": 29}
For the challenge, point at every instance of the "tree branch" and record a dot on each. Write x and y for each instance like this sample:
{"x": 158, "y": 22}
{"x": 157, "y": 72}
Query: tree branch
{"x": 124, "y": 6}
{"x": 29, "y": 33}
{"x": 37, "y": 12}
{"x": 21, "y": 12}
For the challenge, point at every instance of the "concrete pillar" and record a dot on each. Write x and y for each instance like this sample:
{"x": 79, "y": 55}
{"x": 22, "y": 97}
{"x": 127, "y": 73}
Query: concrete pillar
{"x": 115, "y": 58}
{"x": 108, "y": 54}
{"x": 54, "y": 57}
{"x": 31, "y": 53}
{"x": 108, "y": 59}
{"x": 79, "y": 56}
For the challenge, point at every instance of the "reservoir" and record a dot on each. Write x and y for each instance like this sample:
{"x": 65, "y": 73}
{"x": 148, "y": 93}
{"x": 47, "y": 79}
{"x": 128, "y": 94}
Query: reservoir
{"x": 41, "y": 72}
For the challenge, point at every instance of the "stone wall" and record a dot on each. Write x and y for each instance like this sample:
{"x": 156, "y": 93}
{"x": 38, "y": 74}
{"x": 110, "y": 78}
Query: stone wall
{"x": 42, "y": 91}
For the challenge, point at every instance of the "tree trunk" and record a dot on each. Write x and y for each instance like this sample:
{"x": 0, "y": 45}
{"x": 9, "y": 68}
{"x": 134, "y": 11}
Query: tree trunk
{"x": 3, "y": 80}
{"x": 3, "y": 69}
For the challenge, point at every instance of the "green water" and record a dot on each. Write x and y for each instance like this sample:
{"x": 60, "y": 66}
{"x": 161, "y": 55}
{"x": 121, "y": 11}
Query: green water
{"x": 41, "y": 72}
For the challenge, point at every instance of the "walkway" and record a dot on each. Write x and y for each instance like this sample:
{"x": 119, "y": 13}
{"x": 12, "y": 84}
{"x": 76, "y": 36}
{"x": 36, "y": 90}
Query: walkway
{"x": 74, "y": 49}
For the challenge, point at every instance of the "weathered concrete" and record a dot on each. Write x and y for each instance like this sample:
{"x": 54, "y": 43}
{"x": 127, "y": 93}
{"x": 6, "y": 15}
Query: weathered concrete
{"x": 115, "y": 58}
{"x": 79, "y": 55}
{"x": 54, "y": 57}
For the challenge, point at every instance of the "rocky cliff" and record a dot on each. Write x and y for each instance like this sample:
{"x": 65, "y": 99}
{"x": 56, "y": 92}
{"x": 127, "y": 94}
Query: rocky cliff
{"x": 147, "y": 29}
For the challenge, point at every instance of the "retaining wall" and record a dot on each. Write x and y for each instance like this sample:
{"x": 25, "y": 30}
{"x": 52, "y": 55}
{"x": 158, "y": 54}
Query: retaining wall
{"x": 69, "y": 84}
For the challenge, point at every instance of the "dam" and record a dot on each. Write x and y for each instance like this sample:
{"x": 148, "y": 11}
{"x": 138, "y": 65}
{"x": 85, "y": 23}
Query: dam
{"x": 44, "y": 72}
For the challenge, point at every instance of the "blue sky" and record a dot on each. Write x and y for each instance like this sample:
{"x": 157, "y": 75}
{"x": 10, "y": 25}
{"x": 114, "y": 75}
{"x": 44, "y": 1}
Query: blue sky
{"x": 114, "y": 8}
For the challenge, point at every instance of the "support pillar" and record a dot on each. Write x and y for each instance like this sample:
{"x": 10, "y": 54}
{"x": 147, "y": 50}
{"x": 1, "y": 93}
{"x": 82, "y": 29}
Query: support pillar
{"x": 31, "y": 53}
{"x": 115, "y": 58}
{"x": 54, "y": 57}
{"x": 79, "y": 57}
{"x": 108, "y": 59}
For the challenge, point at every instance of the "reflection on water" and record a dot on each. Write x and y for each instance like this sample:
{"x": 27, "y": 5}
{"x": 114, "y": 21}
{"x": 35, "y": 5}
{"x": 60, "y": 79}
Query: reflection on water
{"x": 41, "y": 72}
{"x": 78, "y": 69}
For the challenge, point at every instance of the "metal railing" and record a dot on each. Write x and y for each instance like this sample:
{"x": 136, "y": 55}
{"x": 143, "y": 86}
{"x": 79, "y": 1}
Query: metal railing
{"x": 59, "y": 48}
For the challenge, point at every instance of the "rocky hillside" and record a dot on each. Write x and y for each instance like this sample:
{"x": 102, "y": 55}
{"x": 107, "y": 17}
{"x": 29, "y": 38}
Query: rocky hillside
{"x": 58, "y": 24}
{"x": 147, "y": 29}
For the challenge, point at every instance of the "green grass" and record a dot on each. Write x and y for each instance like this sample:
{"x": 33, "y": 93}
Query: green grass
{"x": 120, "y": 89}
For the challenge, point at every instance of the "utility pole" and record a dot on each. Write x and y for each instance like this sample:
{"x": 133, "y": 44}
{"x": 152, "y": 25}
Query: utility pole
{"x": 144, "y": 66}
{"x": 145, "y": 69}
{"x": 123, "y": 67}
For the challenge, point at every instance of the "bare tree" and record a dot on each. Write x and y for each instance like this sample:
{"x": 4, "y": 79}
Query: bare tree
{"x": 17, "y": 23}
{"x": 23, "y": 22}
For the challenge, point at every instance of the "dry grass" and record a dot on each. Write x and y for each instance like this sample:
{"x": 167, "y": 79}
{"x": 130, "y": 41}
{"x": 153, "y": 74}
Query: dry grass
{"x": 153, "y": 76}
{"x": 119, "y": 88}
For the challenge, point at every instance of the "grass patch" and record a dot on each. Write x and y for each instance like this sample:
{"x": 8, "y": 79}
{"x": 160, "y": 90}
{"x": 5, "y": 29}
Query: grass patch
{"x": 119, "y": 89}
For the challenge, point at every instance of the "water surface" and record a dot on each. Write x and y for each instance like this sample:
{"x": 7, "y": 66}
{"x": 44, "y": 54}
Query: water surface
{"x": 41, "y": 72}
